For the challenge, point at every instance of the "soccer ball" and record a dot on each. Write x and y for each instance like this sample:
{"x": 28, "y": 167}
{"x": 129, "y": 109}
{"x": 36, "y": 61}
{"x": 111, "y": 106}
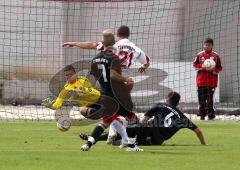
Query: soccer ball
{"x": 209, "y": 64}
{"x": 64, "y": 123}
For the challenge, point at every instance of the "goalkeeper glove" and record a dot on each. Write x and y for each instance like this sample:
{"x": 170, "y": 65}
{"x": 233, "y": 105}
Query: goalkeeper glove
{"x": 48, "y": 103}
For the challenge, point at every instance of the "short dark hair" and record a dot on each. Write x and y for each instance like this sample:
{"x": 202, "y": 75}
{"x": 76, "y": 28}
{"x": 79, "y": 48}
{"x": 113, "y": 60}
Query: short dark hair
{"x": 173, "y": 98}
{"x": 69, "y": 67}
{"x": 208, "y": 40}
{"x": 123, "y": 31}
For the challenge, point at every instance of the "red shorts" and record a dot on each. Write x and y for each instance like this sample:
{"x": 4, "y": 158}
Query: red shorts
{"x": 109, "y": 119}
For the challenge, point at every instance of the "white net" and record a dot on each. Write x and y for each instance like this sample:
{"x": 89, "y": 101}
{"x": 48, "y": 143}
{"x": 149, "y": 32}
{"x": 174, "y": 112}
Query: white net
{"x": 171, "y": 32}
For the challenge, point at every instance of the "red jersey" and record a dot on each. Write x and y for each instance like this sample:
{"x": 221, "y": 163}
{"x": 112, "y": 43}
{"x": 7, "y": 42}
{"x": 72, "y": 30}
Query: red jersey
{"x": 205, "y": 78}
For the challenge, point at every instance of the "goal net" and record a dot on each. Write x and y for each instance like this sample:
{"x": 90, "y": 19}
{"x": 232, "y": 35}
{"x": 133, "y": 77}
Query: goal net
{"x": 171, "y": 32}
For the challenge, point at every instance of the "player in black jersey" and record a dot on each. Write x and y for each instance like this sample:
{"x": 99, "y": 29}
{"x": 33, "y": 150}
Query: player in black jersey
{"x": 106, "y": 68}
{"x": 167, "y": 121}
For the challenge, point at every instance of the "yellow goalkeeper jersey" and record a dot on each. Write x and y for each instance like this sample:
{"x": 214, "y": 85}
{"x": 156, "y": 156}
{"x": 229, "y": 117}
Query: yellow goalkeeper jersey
{"x": 81, "y": 92}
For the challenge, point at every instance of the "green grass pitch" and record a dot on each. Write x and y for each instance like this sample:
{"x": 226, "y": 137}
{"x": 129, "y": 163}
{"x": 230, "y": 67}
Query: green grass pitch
{"x": 35, "y": 146}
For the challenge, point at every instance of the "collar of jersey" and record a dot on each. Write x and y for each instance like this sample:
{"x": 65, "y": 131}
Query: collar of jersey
{"x": 207, "y": 52}
{"x": 123, "y": 40}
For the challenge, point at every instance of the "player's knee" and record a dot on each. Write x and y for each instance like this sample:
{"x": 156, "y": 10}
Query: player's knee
{"x": 107, "y": 121}
{"x": 83, "y": 111}
{"x": 105, "y": 125}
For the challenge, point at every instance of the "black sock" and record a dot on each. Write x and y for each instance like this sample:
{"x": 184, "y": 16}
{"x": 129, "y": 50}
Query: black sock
{"x": 132, "y": 132}
{"x": 96, "y": 133}
{"x": 89, "y": 143}
{"x": 103, "y": 137}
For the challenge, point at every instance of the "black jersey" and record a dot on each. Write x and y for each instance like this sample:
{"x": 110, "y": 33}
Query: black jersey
{"x": 100, "y": 69}
{"x": 168, "y": 120}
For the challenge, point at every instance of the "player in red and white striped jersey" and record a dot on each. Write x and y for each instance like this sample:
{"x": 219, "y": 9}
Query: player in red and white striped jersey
{"x": 127, "y": 51}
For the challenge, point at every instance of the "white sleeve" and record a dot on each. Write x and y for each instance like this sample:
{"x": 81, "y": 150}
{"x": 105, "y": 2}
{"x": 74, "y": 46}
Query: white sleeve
{"x": 140, "y": 56}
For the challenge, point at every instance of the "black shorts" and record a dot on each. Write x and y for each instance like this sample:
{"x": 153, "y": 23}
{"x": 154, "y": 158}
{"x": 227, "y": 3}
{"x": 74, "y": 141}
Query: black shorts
{"x": 105, "y": 106}
{"x": 122, "y": 96}
{"x": 149, "y": 136}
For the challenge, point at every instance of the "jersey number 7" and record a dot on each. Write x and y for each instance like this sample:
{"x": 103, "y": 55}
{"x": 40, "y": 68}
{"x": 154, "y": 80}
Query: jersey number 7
{"x": 104, "y": 73}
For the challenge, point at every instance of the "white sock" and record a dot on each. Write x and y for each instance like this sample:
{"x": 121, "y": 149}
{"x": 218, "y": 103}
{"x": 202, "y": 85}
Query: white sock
{"x": 121, "y": 129}
{"x": 91, "y": 139}
{"x": 112, "y": 130}
{"x": 131, "y": 140}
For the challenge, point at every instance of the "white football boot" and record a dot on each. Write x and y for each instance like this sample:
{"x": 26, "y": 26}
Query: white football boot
{"x": 85, "y": 147}
{"x": 132, "y": 141}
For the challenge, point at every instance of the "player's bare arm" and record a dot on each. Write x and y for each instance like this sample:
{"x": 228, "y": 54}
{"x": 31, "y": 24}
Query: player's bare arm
{"x": 83, "y": 45}
{"x": 200, "y": 136}
{"x": 145, "y": 119}
{"x": 87, "y": 45}
{"x": 143, "y": 59}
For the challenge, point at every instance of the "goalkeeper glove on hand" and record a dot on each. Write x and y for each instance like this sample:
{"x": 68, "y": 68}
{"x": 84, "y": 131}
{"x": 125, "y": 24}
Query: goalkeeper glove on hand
{"x": 48, "y": 103}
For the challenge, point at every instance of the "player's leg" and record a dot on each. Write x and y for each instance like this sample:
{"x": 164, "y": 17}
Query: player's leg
{"x": 132, "y": 131}
{"x": 156, "y": 137}
{"x": 117, "y": 125}
{"x": 96, "y": 133}
{"x": 132, "y": 146}
{"x": 132, "y": 120}
{"x": 103, "y": 137}
{"x": 119, "y": 128}
{"x": 105, "y": 106}
{"x": 112, "y": 134}
{"x": 122, "y": 95}
{"x": 108, "y": 107}
{"x": 211, "y": 112}
{"x": 202, "y": 102}
{"x": 143, "y": 134}
{"x": 83, "y": 136}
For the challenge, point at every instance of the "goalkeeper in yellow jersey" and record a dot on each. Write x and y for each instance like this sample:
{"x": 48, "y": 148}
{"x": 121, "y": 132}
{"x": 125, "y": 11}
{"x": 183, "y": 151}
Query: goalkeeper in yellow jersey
{"x": 80, "y": 91}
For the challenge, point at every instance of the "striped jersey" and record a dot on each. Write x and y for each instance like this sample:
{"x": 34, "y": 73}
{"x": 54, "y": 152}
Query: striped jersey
{"x": 127, "y": 52}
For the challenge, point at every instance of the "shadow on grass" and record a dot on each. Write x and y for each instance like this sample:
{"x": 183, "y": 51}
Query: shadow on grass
{"x": 195, "y": 145}
{"x": 159, "y": 151}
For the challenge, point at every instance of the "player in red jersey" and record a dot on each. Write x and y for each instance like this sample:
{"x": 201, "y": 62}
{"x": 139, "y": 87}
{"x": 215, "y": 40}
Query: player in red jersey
{"x": 206, "y": 80}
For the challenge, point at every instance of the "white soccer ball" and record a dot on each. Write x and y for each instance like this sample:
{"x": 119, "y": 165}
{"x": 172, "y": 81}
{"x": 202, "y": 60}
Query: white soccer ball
{"x": 64, "y": 123}
{"x": 209, "y": 64}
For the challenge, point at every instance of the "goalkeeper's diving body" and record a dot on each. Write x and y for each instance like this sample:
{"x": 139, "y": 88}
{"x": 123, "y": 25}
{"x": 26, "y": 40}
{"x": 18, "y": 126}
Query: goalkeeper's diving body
{"x": 80, "y": 91}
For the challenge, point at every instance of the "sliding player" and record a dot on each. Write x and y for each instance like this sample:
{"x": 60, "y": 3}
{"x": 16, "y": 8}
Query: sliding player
{"x": 166, "y": 122}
